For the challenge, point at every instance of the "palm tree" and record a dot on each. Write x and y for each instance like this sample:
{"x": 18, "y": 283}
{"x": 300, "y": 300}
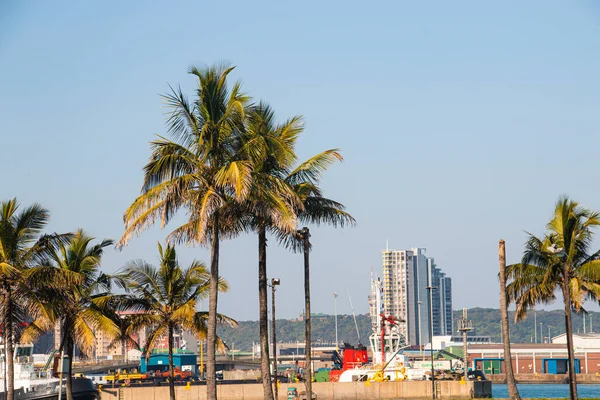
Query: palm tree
{"x": 22, "y": 246}
{"x": 200, "y": 171}
{"x": 560, "y": 260}
{"x": 513, "y": 391}
{"x": 315, "y": 209}
{"x": 81, "y": 305}
{"x": 270, "y": 204}
{"x": 167, "y": 298}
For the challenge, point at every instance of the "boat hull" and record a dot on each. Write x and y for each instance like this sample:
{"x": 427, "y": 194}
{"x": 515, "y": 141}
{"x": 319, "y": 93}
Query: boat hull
{"x": 83, "y": 389}
{"x": 389, "y": 374}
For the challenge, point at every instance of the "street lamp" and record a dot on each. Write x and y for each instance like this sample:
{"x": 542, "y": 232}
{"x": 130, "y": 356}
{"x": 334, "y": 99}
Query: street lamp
{"x": 274, "y": 282}
{"x": 419, "y": 326}
{"x": 304, "y": 235}
{"x": 430, "y": 290}
{"x": 535, "y": 326}
{"x": 335, "y": 296}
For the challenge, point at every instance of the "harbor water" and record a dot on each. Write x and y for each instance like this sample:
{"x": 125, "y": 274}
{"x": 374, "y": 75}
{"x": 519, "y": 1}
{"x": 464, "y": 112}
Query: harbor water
{"x": 551, "y": 391}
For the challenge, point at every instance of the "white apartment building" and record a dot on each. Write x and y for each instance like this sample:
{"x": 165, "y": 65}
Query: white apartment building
{"x": 406, "y": 276}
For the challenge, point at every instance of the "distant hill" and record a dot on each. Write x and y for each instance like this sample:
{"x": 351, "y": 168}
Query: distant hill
{"x": 323, "y": 328}
{"x": 486, "y": 322}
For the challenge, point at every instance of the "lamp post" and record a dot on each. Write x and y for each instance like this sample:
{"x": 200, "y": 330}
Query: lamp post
{"x": 304, "y": 235}
{"x": 419, "y": 326}
{"x": 274, "y": 282}
{"x": 335, "y": 296}
{"x": 542, "y": 332}
{"x": 535, "y": 326}
{"x": 430, "y": 289}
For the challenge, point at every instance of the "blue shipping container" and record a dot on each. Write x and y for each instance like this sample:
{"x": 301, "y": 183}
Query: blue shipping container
{"x": 160, "y": 362}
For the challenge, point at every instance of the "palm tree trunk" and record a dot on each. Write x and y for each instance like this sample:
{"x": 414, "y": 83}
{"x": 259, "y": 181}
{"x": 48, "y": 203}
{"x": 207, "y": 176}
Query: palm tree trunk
{"x": 4, "y": 369}
{"x": 307, "y": 330}
{"x": 70, "y": 351}
{"x": 8, "y": 343}
{"x": 264, "y": 319}
{"x": 171, "y": 373}
{"x": 569, "y": 328}
{"x": 5, "y": 363}
{"x": 513, "y": 392}
{"x": 211, "y": 335}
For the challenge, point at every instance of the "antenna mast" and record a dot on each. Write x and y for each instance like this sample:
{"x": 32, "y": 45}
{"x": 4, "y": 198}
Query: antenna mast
{"x": 465, "y": 326}
{"x": 353, "y": 315}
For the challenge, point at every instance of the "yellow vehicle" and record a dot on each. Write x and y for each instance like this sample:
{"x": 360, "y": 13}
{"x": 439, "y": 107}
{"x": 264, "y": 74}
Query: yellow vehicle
{"x": 124, "y": 377}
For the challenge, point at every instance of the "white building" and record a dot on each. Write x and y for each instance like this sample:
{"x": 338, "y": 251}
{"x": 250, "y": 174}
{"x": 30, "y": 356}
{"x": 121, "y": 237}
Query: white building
{"x": 405, "y": 278}
{"x": 441, "y": 342}
{"x": 580, "y": 340}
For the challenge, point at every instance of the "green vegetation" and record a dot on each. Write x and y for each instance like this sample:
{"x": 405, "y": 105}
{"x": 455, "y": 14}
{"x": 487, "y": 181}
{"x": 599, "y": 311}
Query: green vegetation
{"x": 486, "y": 322}
{"x": 323, "y": 329}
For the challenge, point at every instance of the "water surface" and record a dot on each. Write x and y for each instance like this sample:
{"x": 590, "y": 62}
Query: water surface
{"x": 553, "y": 390}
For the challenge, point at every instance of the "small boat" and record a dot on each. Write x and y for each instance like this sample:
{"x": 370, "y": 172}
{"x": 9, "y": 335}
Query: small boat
{"x": 30, "y": 384}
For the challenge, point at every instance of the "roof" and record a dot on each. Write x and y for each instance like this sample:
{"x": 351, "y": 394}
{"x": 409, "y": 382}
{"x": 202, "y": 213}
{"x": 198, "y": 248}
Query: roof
{"x": 581, "y": 335}
{"x": 515, "y": 346}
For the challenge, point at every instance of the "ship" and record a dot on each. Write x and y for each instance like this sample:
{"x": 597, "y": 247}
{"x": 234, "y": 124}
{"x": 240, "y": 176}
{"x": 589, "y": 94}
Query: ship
{"x": 386, "y": 343}
{"x": 31, "y": 384}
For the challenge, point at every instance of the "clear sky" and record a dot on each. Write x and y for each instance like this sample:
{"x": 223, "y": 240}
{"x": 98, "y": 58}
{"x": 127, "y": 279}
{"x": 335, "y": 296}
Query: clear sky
{"x": 460, "y": 122}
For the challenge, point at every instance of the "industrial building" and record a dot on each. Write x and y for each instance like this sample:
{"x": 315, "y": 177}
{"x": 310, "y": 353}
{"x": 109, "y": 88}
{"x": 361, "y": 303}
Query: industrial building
{"x": 539, "y": 358}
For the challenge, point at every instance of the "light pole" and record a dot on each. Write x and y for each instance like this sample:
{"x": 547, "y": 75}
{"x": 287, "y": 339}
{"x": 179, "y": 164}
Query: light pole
{"x": 419, "y": 326}
{"x": 274, "y": 282}
{"x": 541, "y": 332}
{"x": 304, "y": 235}
{"x": 430, "y": 289}
{"x": 535, "y": 326}
{"x": 335, "y": 296}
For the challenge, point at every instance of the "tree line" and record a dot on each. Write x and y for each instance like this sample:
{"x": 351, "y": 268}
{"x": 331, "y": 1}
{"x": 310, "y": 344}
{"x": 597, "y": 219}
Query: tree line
{"x": 246, "y": 333}
{"x": 486, "y": 322}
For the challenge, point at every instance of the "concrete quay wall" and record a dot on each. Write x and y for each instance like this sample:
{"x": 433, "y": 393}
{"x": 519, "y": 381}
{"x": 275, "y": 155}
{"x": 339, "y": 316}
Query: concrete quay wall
{"x": 324, "y": 390}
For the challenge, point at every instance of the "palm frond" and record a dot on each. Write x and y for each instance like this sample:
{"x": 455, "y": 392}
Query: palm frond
{"x": 312, "y": 169}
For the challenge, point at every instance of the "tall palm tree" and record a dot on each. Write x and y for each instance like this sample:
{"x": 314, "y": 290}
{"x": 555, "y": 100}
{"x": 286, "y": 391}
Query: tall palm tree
{"x": 22, "y": 246}
{"x": 560, "y": 260}
{"x": 81, "y": 305}
{"x": 200, "y": 171}
{"x": 167, "y": 298}
{"x": 315, "y": 209}
{"x": 513, "y": 391}
{"x": 271, "y": 203}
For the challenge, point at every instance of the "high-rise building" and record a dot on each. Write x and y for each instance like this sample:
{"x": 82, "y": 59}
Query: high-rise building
{"x": 406, "y": 276}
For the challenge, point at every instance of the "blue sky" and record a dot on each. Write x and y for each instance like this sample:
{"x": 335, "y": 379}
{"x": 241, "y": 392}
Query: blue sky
{"x": 460, "y": 122}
